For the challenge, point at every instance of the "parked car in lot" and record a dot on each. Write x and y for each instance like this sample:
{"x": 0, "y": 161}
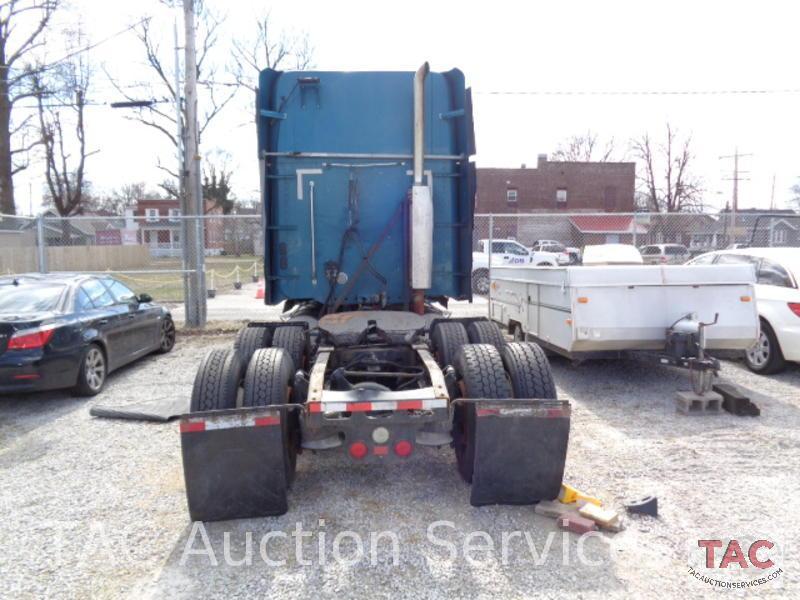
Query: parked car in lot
{"x": 71, "y": 331}
{"x": 665, "y": 254}
{"x": 778, "y": 301}
{"x": 567, "y": 255}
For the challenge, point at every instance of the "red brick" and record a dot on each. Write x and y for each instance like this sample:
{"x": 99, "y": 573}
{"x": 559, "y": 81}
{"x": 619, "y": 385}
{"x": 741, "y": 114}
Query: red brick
{"x": 576, "y": 524}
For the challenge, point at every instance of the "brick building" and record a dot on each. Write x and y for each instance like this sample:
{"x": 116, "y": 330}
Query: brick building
{"x": 557, "y": 187}
{"x": 159, "y": 227}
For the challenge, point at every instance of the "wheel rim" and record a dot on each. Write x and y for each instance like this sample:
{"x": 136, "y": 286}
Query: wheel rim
{"x": 758, "y": 355}
{"x": 167, "y": 334}
{"x": 482, "y": 284}
{"x": 95, "y": 368}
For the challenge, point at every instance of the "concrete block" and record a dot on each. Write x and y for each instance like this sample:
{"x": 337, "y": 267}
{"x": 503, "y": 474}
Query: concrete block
{"x": 553, "y": 508}
{"x": 689, "y": 403}
{"x": 576, "y": 523}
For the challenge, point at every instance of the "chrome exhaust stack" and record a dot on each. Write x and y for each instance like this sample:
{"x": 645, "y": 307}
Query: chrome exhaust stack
{"x": 421, "y": 203}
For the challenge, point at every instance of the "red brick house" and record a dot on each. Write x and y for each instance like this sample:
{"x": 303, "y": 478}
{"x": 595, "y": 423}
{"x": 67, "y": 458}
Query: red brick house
{"x": 159, "y": 225}
{"x": 555, "y": 186}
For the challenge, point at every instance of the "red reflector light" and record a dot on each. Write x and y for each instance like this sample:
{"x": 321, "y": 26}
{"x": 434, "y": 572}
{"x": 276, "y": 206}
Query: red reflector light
{"x": 27, "y": 376}
{"x": 381, "y": 450}
{"x": 29, "y": 340}
{"x": 266, "y": 421}
{"x": 403, "y": 448}
{"x": 358, "y": 450}
{"x": 795, "y": 308}
{"x": 193, "y": 426}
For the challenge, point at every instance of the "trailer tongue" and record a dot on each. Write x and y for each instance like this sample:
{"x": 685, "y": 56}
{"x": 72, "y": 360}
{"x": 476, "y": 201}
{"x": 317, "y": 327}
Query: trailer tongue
{"x": 368, "y": 219}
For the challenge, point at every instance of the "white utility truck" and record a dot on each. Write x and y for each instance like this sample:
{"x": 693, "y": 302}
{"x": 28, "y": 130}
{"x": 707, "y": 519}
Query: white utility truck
{"x": 508, "y": 252}
{"x": 673, "y": 312}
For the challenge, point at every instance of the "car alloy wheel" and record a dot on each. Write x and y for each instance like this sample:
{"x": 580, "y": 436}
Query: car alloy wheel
{"x": 167, "y": 335}
{"x": 758, "y": 355}
{"x": 95, "y": 368}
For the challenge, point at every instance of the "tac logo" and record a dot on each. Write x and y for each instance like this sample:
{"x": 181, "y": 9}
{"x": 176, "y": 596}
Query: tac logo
{"x": 735, "y": 562}
{"x": 735, "y": 555}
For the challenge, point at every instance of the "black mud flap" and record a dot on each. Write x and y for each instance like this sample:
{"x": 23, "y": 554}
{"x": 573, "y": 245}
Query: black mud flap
{"x": 520, "y": 450}
{"x": 233, "y": 463}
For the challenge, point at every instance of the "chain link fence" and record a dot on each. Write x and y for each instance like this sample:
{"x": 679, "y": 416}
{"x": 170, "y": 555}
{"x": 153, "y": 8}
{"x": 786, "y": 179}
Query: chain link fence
{"x": 148, "y": 253}
{"x": 662, "y": 238}
{"x": 144, "y": 252}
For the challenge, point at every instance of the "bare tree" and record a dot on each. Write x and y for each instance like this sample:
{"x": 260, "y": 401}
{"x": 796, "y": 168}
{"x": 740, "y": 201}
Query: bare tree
{"x": 62, "y": 98}
{"x": 22, "y": 25}
{"x": 215, "y": 95}
{"x": 665, "y": 178}
{"x": 794, "y": 201}
{"x": 584, "y": 148}
{"x": 126, "y": 196}
{"x": 267, "y": 49}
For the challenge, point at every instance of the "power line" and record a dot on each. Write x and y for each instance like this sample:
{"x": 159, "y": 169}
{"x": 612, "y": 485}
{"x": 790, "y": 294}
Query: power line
{"x": 754, "y": 92}
{"x": 101, "y": 42}
{"x": 90, "y": 104}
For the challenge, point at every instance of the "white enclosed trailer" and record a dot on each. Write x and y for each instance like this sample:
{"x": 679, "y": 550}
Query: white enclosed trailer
{"x": 605, "y": 311}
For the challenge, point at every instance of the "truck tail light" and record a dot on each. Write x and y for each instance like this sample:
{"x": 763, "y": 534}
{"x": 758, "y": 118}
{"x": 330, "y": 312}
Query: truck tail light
{"x": 30, "y": 339}
{"x": 795, "y": 308}
{"x": 403, "y": 448}
{"x": 358, "y": 450}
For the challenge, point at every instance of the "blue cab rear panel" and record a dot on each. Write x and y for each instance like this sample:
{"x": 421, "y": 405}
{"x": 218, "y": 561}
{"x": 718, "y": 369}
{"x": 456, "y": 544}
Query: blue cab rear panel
{"x": 346, "y": 139}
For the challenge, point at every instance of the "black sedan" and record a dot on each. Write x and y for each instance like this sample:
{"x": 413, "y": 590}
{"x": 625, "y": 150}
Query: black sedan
{"x": 71, "y": 331}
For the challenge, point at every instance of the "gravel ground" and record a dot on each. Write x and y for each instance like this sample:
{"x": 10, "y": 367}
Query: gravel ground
{"x": 96, "y": 508}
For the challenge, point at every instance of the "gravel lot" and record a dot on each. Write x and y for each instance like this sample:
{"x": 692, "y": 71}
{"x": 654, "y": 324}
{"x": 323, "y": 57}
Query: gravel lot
{"x": 96, "y": 508}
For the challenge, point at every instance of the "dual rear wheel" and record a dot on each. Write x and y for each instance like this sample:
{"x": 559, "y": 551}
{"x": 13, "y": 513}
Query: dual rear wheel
{"x": 517, "y": 370}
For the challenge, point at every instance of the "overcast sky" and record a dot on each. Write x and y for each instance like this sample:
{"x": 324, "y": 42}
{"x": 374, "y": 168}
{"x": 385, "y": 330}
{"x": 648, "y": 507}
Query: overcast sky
{"x": 501, "y": 46}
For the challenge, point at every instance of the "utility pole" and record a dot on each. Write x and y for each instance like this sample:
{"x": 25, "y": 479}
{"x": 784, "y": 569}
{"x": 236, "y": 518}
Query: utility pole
{"x": 736, "y": 178}
{"x": 194, "y": 194}
{"x": 189, "y": 303}
{"x": 772, "y": 195}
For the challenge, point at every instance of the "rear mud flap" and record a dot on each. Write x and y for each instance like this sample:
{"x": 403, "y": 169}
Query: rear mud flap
{"x": 520, "y": 451}
{"x": 233, "y": 463}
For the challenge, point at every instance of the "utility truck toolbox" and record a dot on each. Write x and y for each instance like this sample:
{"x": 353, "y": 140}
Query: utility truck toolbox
{"x": 360, "y": 172}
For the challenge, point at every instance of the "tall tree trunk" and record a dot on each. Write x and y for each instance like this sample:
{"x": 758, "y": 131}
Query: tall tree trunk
{"x": 6, "y": 166}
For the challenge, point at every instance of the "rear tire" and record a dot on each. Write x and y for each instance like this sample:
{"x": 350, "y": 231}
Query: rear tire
{"x": 251, "y": 338}
{"x": 266, "y": 383}
{"x": 447, "y": 339}
{"x": 216, "y": 385}
{"x": 529, "y": 371}
{"x": 766, "y": 358}
{"x": 480, "y": 370}
{"x": 292, "y": 338}
{"x": 166, "y": 340}
{"x": 92, "y": 371}
{"x": 485, "y": 332}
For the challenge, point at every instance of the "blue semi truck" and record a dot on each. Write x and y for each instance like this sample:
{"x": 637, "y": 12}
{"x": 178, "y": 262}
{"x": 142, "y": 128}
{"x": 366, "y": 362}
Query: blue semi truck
{"x": 368, "y": 194}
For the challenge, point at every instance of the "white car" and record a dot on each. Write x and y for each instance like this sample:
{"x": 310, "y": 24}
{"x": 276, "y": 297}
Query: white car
{"x": 564, "y": 255}
{"x": 778, "y": 301}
